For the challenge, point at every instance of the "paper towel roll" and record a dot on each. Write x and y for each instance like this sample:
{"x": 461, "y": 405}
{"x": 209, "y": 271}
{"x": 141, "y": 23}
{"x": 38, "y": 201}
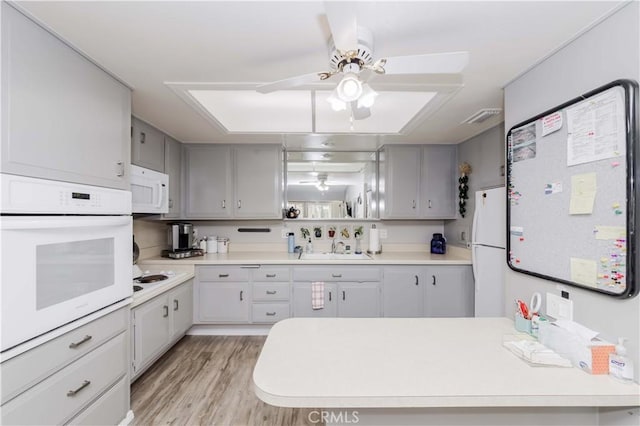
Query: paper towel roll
{"x": 374, "y": 240}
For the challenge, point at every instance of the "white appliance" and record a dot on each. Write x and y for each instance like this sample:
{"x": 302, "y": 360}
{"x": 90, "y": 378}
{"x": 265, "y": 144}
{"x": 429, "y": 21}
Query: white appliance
{"x": 488, "y": 254}
{"x": 150, "y": 190}
{"x": 57, "y": 269}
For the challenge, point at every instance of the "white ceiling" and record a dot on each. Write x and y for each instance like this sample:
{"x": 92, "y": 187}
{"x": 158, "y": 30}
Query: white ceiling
{"x": 148, "y": 43}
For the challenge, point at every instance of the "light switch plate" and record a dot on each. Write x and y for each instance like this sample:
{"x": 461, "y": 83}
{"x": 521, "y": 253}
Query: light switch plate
{"x": 559, "y": 308}
{"x": 383, "y": 234}
{"x": 284, "y": 233}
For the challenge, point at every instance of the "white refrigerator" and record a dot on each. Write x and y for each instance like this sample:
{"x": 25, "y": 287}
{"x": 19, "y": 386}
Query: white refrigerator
{"x": 488, "y": 253}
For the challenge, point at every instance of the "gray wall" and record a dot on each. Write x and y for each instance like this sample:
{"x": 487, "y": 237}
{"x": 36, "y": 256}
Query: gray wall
{"x": 485, "y": 154}
{"x": 608, "y": 51}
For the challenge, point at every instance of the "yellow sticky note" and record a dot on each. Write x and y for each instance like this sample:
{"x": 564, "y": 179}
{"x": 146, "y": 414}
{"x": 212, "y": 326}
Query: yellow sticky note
{"x": 615, "y": 205}
{"x": 610, "y": 232}
{"x": 583, "y": 193}
{"x": 584, "y": 271}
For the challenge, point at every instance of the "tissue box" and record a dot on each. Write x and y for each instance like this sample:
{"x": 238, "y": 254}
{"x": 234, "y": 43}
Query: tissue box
{"x": 592, "y": 357}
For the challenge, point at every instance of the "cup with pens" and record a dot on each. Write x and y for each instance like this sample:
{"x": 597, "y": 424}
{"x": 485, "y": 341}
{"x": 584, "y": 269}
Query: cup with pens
{"x": 527, "y": 318}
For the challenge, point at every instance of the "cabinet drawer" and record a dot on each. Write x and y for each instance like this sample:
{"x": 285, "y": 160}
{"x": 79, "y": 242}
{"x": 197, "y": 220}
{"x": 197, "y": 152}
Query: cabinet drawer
{"x": 25, "y": 370}
{"x": 271, "y": 274}
{"x": 110, "y": 409}
{"x": 269, "y": 312}
{"x": 223, "y": 274}
{"x": 56, "y": 399}
{"x": 339, "y": 273}
{"x": 270, "y": 291}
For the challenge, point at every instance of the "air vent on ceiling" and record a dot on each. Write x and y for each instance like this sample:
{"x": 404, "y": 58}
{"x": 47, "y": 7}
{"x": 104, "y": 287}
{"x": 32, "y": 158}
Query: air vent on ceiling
{"x": 482, "y": 115}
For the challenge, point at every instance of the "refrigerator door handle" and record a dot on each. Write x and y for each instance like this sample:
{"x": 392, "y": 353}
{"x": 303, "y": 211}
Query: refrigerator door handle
{"x": 474, "y": 224}
{"x": 474, "y": 259}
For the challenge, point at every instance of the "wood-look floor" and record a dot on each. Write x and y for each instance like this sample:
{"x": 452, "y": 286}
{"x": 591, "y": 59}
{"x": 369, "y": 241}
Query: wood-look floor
{"x": 207, "y": 380}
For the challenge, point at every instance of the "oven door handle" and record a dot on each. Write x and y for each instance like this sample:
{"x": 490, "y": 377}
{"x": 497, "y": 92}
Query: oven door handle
{"x": 58, "y": 222}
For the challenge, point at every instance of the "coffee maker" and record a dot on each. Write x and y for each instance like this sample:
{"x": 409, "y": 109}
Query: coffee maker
{"x": 180, "y": 239}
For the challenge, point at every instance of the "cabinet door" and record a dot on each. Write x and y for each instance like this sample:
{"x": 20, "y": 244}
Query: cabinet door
{"x": 302, "y": 301}
{"x": 449, "y": 291}
{"x": 208, "y": 182}
{"x": 63, "y": 117}
{"x": 173, "y": 167}
{"x": 438, "y": 196}
{"x": 258, "y": 189}
{"x": 359, "y": 300}
{"x": 401, "y": 185}
{"x": 147, "y": 146}
{"x": 181, "y": 301}
{"x": 151, "y": 328}
{"x": 223, "y": 302}
{"x": 403, "y": 292}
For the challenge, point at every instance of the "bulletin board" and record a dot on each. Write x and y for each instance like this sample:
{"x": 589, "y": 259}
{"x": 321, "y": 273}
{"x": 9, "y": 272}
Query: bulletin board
{"x": 571, "y": 192}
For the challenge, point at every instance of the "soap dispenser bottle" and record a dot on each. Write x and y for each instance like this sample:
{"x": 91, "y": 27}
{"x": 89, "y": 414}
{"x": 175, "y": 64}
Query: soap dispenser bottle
{"x": 309, "y": 246}
{"x": 620, "y": 365}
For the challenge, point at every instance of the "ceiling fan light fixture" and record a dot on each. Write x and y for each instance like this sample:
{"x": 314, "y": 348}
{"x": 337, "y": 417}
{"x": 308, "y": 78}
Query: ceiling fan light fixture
{"x": 322, "y": 186}
{"x": 350, "y": 88}
{"x": 336, "y": 103}
{"x": 368, "y": 97}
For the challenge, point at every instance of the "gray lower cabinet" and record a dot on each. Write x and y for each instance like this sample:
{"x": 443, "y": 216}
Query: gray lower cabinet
{"x": 66, "y": 119}
{"x": 242, "y": 294}
{"x": 349, "y": 291}
{"x": 403, "y": 291}
{"x": 159, "y": 323}
{"x": 147, "y": 145}
{"x": 428, "y": 291}
{"x": 79, "y": 377}
{"x": 449, "y": 291}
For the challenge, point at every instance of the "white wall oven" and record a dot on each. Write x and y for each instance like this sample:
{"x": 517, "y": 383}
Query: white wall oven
{"x": 65, "y": 251}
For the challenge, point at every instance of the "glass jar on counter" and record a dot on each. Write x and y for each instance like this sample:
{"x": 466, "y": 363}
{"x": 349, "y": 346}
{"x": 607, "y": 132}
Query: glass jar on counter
{"x": 438, "y": 244}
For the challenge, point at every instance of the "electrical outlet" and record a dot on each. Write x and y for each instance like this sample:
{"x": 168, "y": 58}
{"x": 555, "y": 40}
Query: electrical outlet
{"x": 559, "y": 308}
{"x": 383, "y": 234}
{"x": 284, "y": 233}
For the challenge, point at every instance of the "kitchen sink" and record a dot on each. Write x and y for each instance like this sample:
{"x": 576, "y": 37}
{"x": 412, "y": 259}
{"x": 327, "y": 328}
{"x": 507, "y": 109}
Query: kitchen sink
{"x": 335, "y": 256}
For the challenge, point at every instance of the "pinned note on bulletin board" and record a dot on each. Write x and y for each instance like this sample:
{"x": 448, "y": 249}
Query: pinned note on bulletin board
{"x": 571, "y": 174}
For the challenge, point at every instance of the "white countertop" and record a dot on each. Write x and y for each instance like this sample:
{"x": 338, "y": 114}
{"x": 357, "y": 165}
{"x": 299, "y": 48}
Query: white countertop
{"x": 283, "y": 258}
{"x": 416, "y": 362}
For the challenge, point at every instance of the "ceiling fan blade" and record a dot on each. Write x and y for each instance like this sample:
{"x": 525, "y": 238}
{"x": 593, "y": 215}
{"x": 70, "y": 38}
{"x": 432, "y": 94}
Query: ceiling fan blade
{"x": 288, "y": 83}
{"x": 344, "y": 26}
{"x": 360, "y": 113}
{"x": 436, "y": 63}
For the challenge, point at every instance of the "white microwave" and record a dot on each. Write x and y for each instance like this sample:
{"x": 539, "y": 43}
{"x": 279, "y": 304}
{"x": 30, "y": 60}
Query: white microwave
{"x": 149, "y": 190}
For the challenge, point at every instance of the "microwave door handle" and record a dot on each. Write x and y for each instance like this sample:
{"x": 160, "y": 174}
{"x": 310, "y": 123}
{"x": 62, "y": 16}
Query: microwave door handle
{"x": 160, "y": 194}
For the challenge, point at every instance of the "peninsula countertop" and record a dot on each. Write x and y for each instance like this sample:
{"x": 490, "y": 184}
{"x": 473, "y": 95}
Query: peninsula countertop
{"x": 417, "y": 362}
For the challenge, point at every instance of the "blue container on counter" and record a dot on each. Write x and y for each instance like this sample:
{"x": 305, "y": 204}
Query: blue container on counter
{"x": 438, "y": 244}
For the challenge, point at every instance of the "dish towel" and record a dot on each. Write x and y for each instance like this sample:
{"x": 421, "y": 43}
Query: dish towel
{"x": 317, "y": 295}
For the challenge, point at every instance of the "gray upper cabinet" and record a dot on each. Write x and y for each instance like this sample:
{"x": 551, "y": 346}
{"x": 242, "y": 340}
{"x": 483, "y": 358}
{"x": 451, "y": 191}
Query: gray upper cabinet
{"x": 147, "y": 146}
{"x": 63, "y": 117}
{"x": 243, "y": 182}
{"x": 173, "y": 167}
{"x": 418, "y": 182}
{"x": 438, "y": 190}
{"x": 400, "y": 188}
{"x": 208, "y": 182}
{"x": 258, "y": 182}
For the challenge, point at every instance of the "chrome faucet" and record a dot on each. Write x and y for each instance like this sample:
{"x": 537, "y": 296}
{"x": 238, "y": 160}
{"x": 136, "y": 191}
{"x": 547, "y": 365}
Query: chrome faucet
{"x": 335, "y": 247}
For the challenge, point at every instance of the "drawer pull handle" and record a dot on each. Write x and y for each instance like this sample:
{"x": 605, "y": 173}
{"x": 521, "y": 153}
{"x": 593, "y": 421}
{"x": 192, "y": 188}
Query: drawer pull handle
{"x": 82, "y": 386}
{"x": 176, "y": 305}
{"x": 241, "y": 292}
{"x": 434, "y": 279}
{"x": 166, "y": 311}
{"x": 329, "y": 296}
{"x": 343, "y": 295}
{"x": 271, "y": 314}
{"x": 223, "y": 275}
{"x": 74, "y": 345}
{"x": 224, "y": 204}
{"x": 271, "y": 275}
{"x": 271, "y": 291}
{"x": 336, "y": 275}
{"x": 417, "y": 282}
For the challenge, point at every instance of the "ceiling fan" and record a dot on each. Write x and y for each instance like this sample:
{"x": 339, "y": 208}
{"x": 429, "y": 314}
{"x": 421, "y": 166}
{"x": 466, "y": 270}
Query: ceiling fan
{"x": 351, "y": 56}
